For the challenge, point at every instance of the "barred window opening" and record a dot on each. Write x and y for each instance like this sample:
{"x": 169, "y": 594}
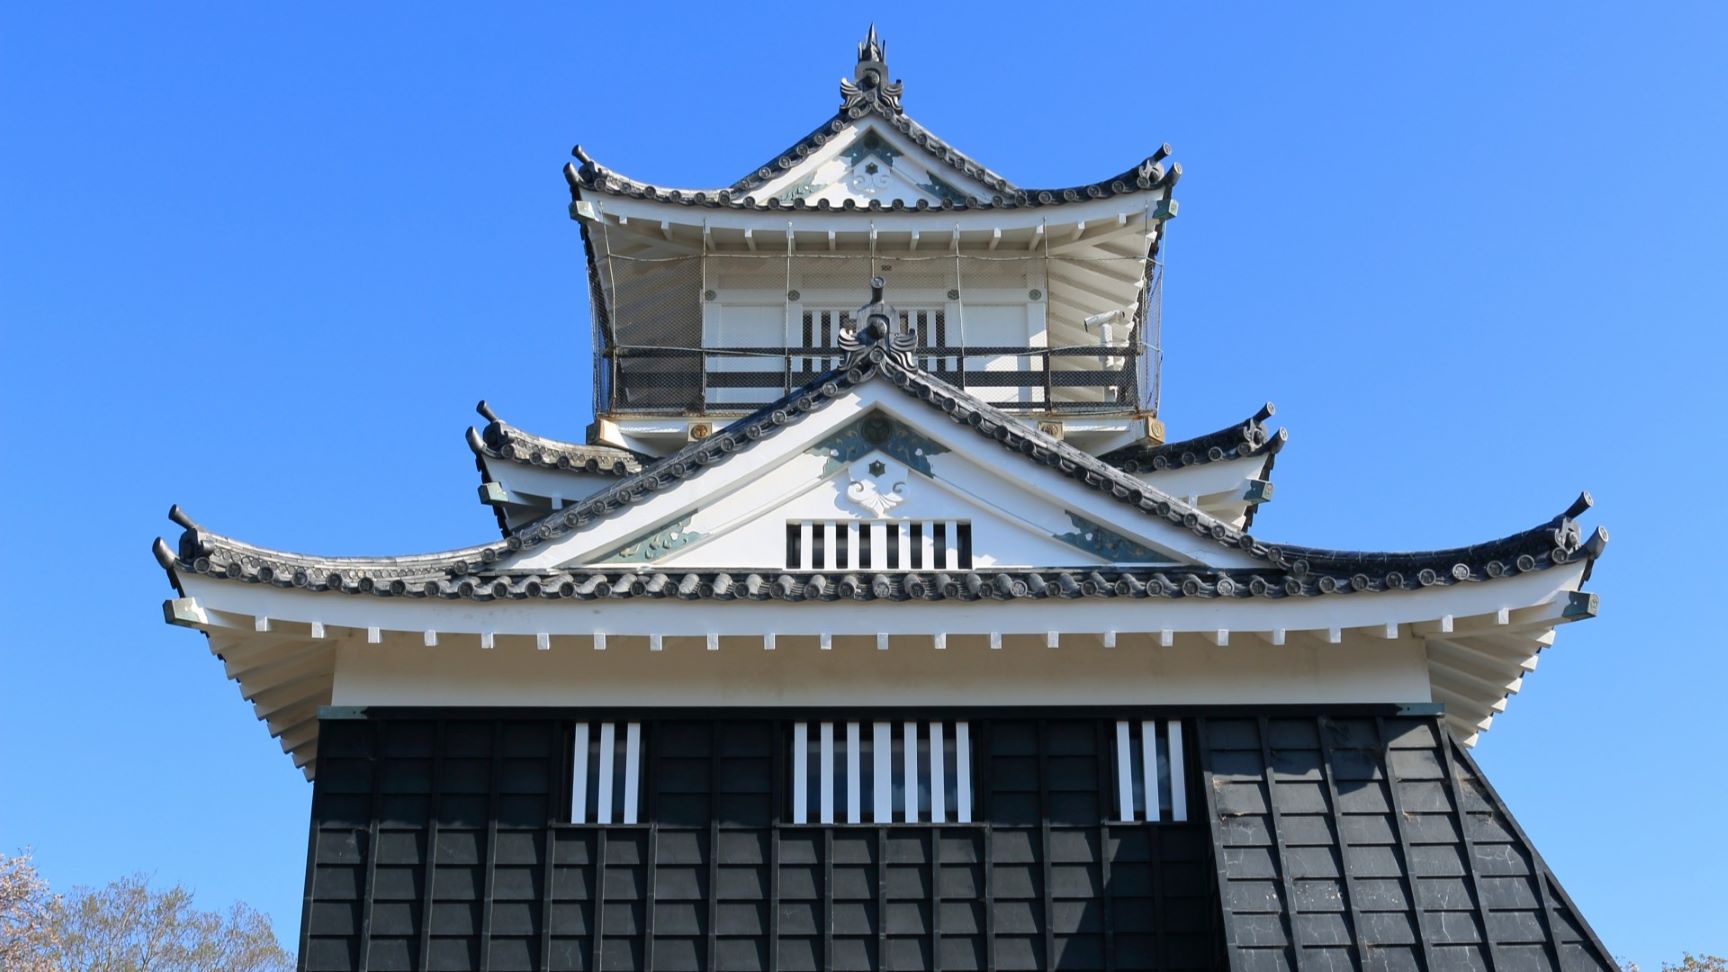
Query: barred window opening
{"x": 879, "y": 545}
{"x": 881, "y": 772}
{"x": 1151, "y": 775}
{"x": 606, "y": 772}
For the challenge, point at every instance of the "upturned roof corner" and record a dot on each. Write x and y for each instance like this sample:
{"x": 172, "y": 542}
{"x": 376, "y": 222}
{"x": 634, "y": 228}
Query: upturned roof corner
{"x": 870, "y": 95}
{"x": 880, "y": 354}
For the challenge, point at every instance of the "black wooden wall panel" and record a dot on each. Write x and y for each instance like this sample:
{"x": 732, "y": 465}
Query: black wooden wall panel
{"x": 1375, "y": 843}
{"x": 437, "y": 844}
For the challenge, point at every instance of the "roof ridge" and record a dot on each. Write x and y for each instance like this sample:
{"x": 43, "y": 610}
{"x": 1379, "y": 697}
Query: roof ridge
{"x": 1150, "y": 173}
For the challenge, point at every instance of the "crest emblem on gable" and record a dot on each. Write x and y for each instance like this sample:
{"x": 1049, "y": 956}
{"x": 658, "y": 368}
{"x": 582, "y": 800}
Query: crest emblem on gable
{"x": 875, "y": 486}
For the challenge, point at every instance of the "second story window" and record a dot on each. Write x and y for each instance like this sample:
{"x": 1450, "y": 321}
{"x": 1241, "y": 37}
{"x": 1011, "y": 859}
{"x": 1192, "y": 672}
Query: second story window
{"x": 1151, "y": 778}
{"x": 881, "y": 772}
{"x": 606, "y": 772}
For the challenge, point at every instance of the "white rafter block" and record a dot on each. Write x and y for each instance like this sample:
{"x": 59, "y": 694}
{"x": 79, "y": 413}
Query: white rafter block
{"x": 430, "y": 637}
{"x": 1219, "y": 637}
{"x": 1166, "y": 638}
{"x": 318, "y": 629}
{"x": 487, "y": 641}
{"x": 599, "y": 641}
{"x": 713, "y": 641}
{"x": 1503, "y": 616}
{"x": 881, "y": 641}
{"x": 768, "y": 641}
{"x": 542, "y": 641}
{"x": 1279, "y": 636}
{"x": 184, "y": 611}
{"x": 260, "y": 623}
{"x": 939, "y": 640}
{"x": 1110, "y": 638}
{"x": 995, "y": 641}
{"x": 656, "y": 642}
{"x": 1052, "y": 639}
{"x": 826, "y": 641}
{"x": 374, "y": 636}
{"x": 1334, "y": 635}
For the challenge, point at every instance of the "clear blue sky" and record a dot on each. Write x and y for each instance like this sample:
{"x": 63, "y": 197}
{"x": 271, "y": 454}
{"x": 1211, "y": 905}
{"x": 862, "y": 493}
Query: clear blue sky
{"x": 261, "y": 259}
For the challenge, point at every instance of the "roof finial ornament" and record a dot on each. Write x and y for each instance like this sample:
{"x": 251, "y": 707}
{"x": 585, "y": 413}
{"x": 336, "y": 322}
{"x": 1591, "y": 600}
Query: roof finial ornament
{"x": 878, "y": 323}
{"x": 870, "y": 87}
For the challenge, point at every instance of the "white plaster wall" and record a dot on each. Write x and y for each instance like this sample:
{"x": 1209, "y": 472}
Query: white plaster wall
{"x": 403, "y": 671}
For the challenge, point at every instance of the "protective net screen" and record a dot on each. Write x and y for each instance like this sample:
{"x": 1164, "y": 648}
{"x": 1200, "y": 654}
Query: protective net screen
{"x": 725, "y": 332}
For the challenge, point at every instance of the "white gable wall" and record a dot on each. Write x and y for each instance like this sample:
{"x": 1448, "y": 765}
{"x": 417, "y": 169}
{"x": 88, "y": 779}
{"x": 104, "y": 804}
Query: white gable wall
{"x": 838, "y": 170}
{"x": 740, "y": 534}
{"x": 996, "y": 477}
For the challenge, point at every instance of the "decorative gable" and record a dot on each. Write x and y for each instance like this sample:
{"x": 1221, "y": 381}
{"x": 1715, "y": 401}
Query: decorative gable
{"x": 871, "y": 161}
{"x": 878, "y": 491}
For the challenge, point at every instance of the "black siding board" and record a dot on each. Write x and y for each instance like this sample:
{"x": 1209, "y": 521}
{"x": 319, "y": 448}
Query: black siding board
{"x": 436, "y": 841}
{"x": 430, "y": 868}
{"x": 371, "y": 851}
{"x": 1044, "y": 811}
{"x": 1590, "y": 953}
{"x": 1400, "y": 826}
{"x": 490, "y": 864}
{"x": 1292, "y": 927}
{"x": 1352, "y": 896}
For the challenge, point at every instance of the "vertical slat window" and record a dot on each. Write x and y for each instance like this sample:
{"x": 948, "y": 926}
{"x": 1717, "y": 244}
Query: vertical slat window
{"x": 606, "y": 768}
{"x": 882, "y": 805}
{"x": 1151, "y": 777}
{"x": 882, "y": 772}
{"x": 879, "y": 545}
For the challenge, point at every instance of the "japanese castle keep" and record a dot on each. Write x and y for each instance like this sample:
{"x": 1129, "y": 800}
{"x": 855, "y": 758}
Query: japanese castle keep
{"x": 873, "y": 624}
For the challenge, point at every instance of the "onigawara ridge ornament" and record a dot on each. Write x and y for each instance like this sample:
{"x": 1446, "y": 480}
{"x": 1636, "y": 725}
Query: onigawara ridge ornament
{"x": 895, "y": 635}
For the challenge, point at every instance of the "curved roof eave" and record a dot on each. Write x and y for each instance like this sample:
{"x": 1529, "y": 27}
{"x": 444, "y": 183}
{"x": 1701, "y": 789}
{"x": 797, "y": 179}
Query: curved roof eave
{"x": 500, "y": 440}
{"x": 1289, "y": 570}
{"x": 1148, "y": 175}
{"x": 1243, "y": 440}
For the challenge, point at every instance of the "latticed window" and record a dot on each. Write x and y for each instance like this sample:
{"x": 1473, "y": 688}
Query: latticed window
{"x": 881, "y": 772}
{"x": 606, "y": 772}
{"x": 879, "y": 545}
{"x": 1151, "y": 775}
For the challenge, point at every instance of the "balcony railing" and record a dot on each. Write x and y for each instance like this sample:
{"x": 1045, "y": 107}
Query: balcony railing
{"x": 716, "y": 380}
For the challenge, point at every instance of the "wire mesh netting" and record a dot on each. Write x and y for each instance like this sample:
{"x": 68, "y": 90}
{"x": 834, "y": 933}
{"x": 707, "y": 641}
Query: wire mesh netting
{"x": 728, "y": 332}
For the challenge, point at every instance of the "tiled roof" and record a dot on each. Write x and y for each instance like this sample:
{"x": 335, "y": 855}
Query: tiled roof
{"x": 1287, "y": 571}
{"x": 871, "y": 94}
{"x": 499, "y": 440}
{"x": 1240, "y": 441}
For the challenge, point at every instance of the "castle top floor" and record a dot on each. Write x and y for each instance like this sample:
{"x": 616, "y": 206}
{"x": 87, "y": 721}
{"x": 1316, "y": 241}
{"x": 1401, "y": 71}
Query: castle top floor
{"x": 717, "y": 301}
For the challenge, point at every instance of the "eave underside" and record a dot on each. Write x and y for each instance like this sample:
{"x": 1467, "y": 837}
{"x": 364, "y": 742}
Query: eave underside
{"x": 282, "y": 646}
